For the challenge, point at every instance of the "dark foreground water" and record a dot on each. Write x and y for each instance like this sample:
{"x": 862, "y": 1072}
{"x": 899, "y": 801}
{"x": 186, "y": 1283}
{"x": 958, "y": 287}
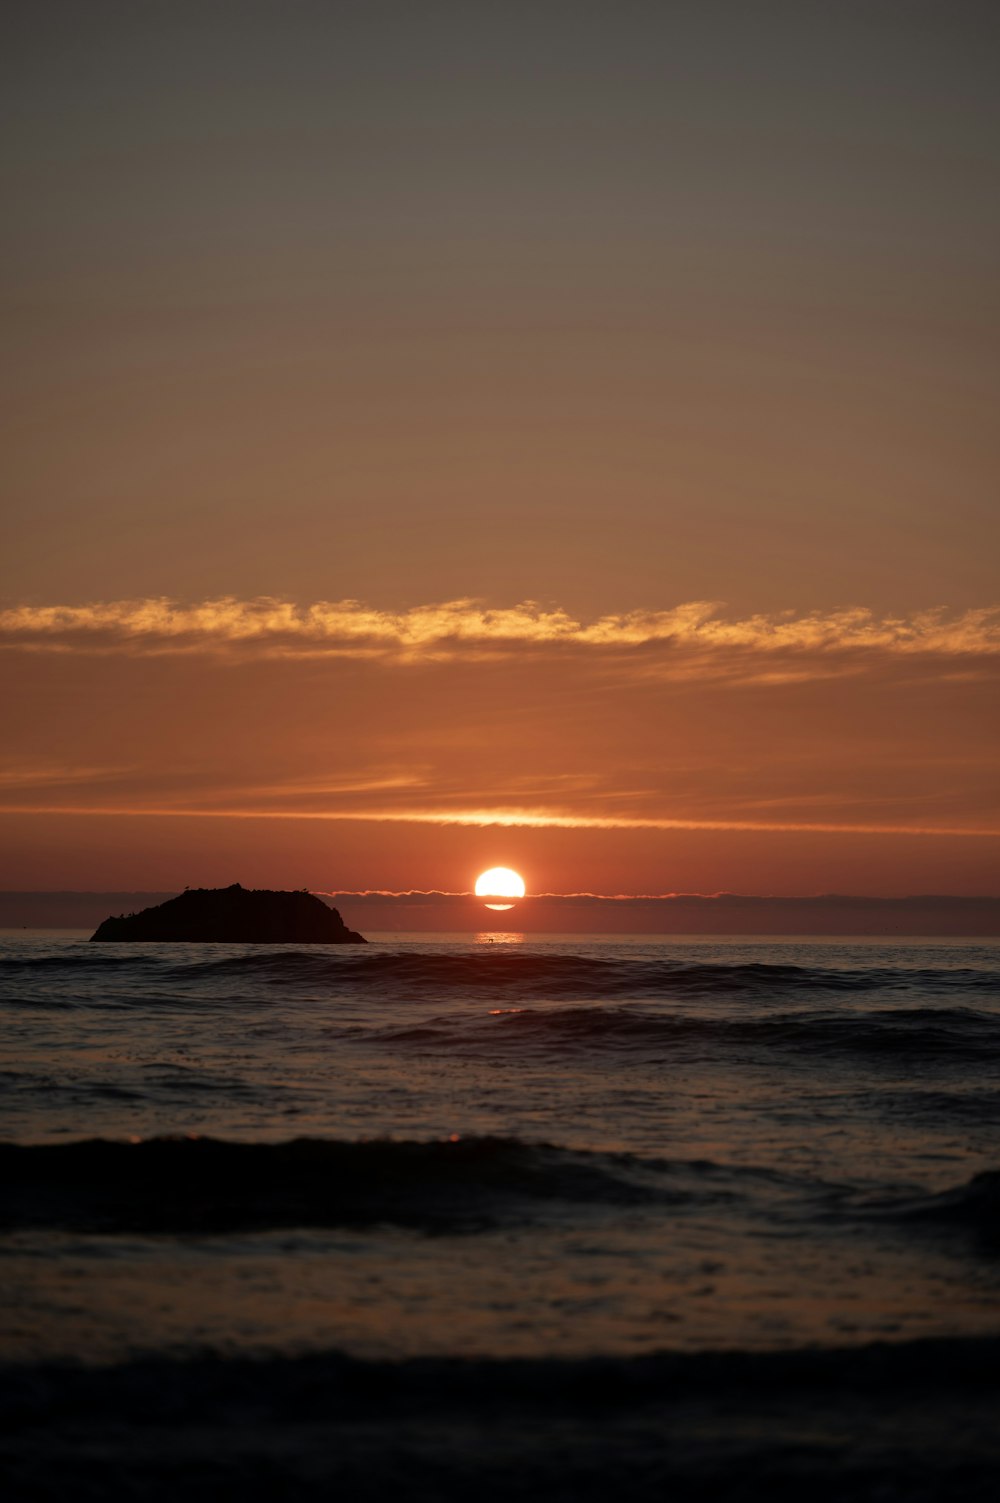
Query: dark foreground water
{"x": 456, "y": 1219}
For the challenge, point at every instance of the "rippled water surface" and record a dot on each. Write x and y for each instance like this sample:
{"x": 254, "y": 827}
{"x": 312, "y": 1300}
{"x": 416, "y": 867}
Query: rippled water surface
{"x": 458, "y": 1147}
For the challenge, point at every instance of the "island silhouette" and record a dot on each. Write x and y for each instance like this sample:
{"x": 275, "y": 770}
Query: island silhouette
{"x": 234, "y": 916}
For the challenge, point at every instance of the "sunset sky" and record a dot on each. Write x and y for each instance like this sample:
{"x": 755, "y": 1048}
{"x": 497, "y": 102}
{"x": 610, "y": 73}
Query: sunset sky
{"x": 443, "y": 434}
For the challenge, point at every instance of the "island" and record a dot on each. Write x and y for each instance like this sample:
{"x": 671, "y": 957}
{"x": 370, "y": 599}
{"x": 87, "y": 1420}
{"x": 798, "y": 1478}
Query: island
{"x": 234, "y": 916}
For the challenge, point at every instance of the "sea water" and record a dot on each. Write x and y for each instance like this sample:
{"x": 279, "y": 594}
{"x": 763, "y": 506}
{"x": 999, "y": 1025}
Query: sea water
{"x": 440, "y": 1156}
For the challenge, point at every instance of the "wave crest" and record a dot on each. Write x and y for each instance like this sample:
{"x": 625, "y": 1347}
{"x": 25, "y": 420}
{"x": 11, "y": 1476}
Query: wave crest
{"x": 210, "y": 1185}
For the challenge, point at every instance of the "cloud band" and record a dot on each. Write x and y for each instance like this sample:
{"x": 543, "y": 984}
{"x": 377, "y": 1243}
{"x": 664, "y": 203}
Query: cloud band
{"x": 353, "y": 628}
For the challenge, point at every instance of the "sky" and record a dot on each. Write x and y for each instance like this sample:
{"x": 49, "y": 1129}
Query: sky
{"x": 558, "y": 435}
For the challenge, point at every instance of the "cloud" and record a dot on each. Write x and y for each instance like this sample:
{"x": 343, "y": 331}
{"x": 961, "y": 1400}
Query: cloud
{"x": 17, "y": 776}
{"x": 469, "y": 628}
{"x": 683, "y": 720}
{"x": 537, "y": 819}
{"x": 416, "y": 898}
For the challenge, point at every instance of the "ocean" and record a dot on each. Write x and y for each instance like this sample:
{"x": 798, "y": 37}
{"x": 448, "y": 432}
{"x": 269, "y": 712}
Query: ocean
{"x": 458, "y": 1217}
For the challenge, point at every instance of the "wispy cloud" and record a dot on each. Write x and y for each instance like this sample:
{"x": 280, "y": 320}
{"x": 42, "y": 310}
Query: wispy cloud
{"x": 17, "y": 776}
{"x": 502, "y": 818}
{"x": 349, "y": 627}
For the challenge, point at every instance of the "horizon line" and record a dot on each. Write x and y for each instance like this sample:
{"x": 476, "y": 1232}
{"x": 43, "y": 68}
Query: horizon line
{"x": 619, "y": 897}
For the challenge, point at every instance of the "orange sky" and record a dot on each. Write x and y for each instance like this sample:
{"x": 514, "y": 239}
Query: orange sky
{"x": 343, "y": 749}
{"x": 525, "y": 435}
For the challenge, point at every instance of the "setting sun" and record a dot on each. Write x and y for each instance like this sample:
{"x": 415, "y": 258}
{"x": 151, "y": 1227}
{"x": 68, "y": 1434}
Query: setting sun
{"x": 499, "y": 882}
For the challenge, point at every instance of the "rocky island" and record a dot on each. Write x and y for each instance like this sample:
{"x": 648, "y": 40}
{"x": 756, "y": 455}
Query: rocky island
{"x": 234, "y": 916}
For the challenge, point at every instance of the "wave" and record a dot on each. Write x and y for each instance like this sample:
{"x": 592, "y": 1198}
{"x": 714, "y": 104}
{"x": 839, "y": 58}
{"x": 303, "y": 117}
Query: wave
{"x": 498, "y": 972}
{"x": 580, "y": 976}
{"x": 906, "y": 1033}
{"x": 973, "y": 1206}
{"x": 914, "y": 1420}
{"x": 208, "y": 1185}
{"x": 211, "y": 1185}
{"x": 311, "y": 1386}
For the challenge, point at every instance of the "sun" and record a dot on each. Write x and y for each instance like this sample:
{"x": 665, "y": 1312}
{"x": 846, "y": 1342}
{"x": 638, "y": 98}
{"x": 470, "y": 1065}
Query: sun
{"x": 499, "y": 882}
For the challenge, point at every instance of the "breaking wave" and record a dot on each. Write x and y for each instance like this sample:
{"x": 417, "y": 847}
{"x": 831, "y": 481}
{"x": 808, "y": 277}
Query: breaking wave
{"x": 973, "y": 1206}
{"x": 212, "y": 1186}
{"x": 209, "y": 1185}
